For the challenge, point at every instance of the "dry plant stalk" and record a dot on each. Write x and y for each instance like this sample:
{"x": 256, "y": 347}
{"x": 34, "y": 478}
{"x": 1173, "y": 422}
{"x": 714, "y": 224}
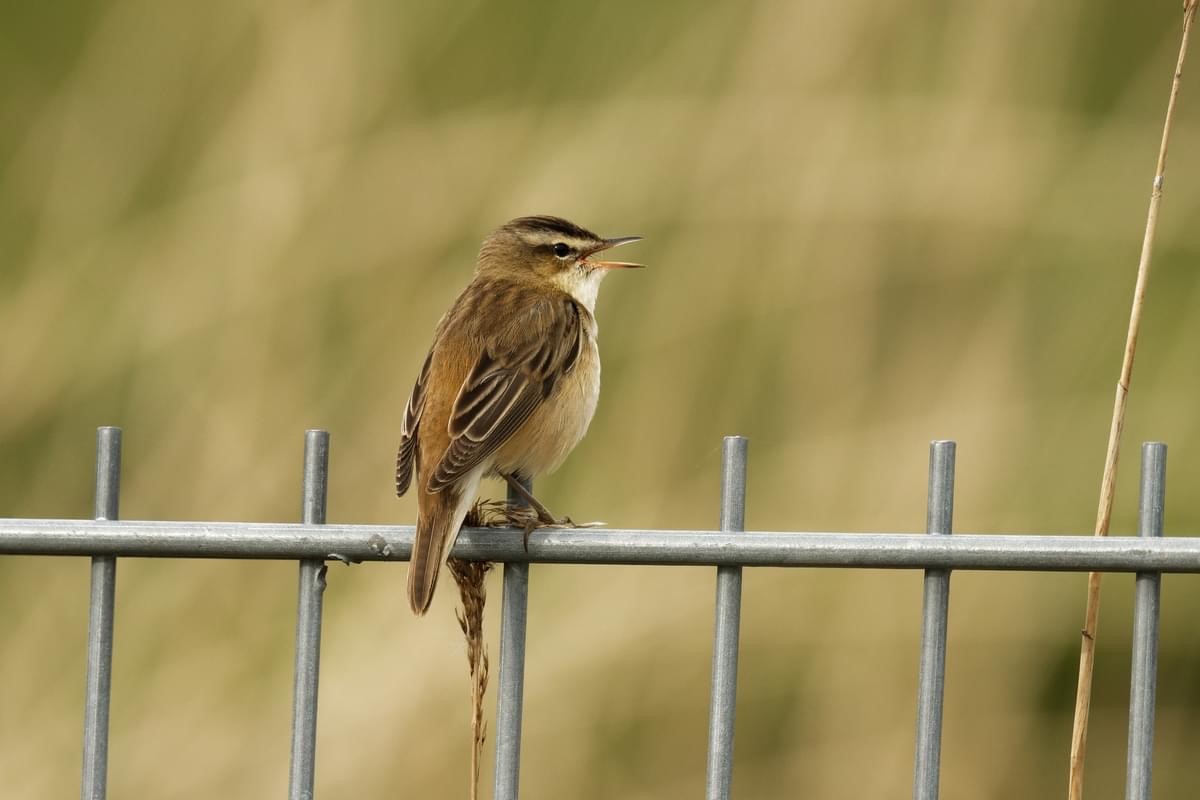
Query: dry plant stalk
{"x": 1087, "y": 649}
{"x": 470, "y": 575}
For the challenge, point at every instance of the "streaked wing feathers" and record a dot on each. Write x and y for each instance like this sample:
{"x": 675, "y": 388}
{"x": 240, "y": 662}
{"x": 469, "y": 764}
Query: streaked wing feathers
{"x": 518, "y": 369}
{"x": 408, "y": 432}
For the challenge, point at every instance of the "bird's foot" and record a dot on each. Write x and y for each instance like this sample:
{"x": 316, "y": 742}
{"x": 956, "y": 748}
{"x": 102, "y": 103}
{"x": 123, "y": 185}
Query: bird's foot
{"x": 545, "y": 518}
{"x": 536, "y": 514}
{"x": 529, "y": 526}
{"x": 535, "y": 520}
{"x": 532, "y": 523}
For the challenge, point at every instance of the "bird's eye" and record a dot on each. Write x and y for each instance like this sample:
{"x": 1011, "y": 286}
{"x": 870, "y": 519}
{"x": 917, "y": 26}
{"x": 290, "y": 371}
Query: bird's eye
{"x": 561, "y": 250}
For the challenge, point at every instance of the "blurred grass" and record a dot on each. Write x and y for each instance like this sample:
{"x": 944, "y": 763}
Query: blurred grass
{"x": 868, "y": 226}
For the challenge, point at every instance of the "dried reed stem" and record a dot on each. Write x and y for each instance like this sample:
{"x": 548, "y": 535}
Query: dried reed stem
{"x": 470, "y": 575}
{"x": 1087, "y": 649}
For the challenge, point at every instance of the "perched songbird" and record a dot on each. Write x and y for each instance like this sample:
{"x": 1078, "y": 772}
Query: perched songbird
{"x": 510, "y": 383}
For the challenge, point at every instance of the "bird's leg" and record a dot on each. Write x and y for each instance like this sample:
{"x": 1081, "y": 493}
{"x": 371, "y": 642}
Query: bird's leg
{"x": 530, "y": 524}
{"x": 543, "y": 514}
{"x": 543, "y": 517}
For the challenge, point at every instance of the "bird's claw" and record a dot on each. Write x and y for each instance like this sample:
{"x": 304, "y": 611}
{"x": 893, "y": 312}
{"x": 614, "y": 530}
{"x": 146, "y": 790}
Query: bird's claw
{"x": 537, "y": 521}
{"x": 529, "y": 526}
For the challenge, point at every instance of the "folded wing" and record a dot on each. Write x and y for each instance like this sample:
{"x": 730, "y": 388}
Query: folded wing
{"x": 515, "y": 373}
{"x": 408, "y": 432}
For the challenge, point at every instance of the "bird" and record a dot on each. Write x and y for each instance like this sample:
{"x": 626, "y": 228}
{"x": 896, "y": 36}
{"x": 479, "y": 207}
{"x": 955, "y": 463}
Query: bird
{"x": 510, "y": 383}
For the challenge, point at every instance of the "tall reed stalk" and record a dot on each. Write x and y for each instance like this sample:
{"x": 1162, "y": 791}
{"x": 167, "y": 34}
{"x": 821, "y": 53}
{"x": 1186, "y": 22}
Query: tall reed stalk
{"x": 1087, "y": 649}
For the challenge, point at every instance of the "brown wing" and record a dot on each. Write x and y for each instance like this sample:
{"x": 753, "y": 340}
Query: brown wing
{"x": 408, "y": 432}
{"x": 517, "y": 370}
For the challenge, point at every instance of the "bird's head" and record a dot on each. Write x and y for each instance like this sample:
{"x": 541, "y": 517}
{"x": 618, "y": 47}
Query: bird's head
{"x": 554, "y": 251}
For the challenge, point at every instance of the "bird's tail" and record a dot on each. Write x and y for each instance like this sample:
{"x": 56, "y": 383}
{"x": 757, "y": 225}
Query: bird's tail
{"x": 440, "y": 517}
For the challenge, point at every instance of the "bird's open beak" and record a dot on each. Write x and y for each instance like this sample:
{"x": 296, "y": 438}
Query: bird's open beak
{"x": 608, "y": 245}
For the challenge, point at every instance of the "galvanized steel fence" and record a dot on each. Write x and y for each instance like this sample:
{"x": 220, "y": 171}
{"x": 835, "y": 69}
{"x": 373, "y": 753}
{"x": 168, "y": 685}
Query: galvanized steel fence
{"x": 312, "y": 543}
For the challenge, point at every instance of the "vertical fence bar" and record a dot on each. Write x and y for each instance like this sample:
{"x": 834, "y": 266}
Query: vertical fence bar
{"x": 94, "y": 785}
{"x": 308, "y": 622}
{"x": 939, "y": 521}
{"x": 719, "y": 774}
{"x": 1143, "y": 676}
{"x": 514, "y": 609}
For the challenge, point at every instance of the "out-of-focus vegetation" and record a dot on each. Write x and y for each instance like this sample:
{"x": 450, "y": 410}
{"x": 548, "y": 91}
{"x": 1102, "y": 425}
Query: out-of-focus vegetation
{"x": 869, "y": 225}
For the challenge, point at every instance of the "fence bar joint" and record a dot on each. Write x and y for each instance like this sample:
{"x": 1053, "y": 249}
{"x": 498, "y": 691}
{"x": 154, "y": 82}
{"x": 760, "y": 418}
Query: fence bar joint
{"x": 510, "y": 700}
{"x": 314, "y": 492}
{"x": 1147, "y": 588}
{"x": 719, "y": 777}
{"x": 94, "y": 785}
{"x": 935, "y": 611}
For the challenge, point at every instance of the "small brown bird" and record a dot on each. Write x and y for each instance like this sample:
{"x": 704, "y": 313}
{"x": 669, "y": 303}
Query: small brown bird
{"x": 510, "y": 383}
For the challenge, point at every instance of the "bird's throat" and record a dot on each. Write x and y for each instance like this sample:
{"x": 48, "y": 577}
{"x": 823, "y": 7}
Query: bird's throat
{"x": 583, "y": 285}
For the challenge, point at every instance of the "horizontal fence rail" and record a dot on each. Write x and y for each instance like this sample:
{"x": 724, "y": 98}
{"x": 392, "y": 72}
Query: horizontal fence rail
{"x": 353, "y": 543}
{"x": 312, "y": 543}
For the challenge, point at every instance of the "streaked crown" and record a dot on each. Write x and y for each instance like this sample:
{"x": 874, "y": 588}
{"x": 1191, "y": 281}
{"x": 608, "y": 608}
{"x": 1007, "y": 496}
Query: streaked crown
{"x": 532, "y": 242}
{"x": 552, "y": 252}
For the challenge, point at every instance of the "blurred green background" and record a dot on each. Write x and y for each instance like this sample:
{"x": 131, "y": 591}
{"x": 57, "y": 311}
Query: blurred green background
{"x": 869, "y": 225}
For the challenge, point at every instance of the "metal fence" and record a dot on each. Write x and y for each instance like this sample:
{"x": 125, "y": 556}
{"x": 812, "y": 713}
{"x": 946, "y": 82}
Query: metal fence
{"x": 312, "y": 543}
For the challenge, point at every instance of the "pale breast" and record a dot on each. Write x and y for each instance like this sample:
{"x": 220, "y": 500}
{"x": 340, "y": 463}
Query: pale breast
{"x": 551, "y": 433}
